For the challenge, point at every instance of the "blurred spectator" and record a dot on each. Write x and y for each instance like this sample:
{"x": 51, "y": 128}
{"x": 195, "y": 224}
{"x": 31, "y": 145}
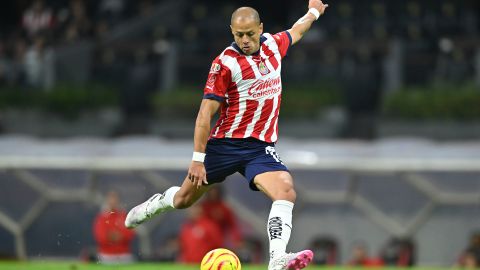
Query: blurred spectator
{"x": 215, "y": 208}
{"x": 198, "y": 235}
{"x": 37, "y": 19}
{"x": 452, "y": 65}
{"x": 136, "y": 93}
{"x": 113, "y": 239}
{"x": 250, "y": 249}
{"x": 4, "y": 64}
{"x": 18, "y": 73}
{"x": 12, "y": 58}
{"x": 77, "y": 24}
{"x": 40, "y": 64}
{"x": 108, "y": 67}
{"x": 470, "y": 258}
{"x": 325, "y": 249}
{"x": 379, "y": 24}
{"x": 111, "y": 10}
{"x": 345, "y": 28}
{"x": 448, "y": 22}
{"x": 362, "y": 77}
{"x": 361, "y": 258}
{"x": 145, "y": 8}
{"x": 399, "y": 252}
{"x": 329, "y": 69}
{"x": 102, "y": 27}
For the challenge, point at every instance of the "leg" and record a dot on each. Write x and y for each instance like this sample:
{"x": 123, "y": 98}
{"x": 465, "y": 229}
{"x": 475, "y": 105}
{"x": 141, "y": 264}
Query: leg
{"x": 173, "y": 198}
{"x": 278, "y": 186}
{"x": 188, "y": 194}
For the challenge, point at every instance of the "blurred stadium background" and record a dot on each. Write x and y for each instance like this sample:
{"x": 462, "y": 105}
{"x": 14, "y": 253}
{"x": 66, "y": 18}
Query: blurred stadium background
{"x": 380, "y": 122}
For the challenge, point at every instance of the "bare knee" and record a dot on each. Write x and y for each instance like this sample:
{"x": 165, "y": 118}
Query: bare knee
{"x": 285, "y": 189}
{"x": 278, "y": 186}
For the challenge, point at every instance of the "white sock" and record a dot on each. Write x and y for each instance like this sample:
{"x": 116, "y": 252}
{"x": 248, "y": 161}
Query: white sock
{"x": 170, "y": 194}
{"x": 159, "y": 203}
{"x": 279, "y": 227}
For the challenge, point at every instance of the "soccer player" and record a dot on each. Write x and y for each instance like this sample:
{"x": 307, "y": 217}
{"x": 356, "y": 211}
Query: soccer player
{"x": 244, "y": 84}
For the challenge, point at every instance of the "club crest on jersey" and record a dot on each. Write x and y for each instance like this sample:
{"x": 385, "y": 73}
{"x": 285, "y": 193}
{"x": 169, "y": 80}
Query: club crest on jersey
{"x": 263, "y": 68}
{"x": 215, "y": 68}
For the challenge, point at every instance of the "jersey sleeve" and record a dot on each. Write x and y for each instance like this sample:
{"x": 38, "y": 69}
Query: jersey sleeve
{"x": 219, "y": 78}
{"x": 283, "y": 40}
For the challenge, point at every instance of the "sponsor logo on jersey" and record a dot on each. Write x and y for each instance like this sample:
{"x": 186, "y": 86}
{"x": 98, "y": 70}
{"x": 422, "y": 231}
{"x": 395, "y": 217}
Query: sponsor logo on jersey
{"x": 262, "y": 88}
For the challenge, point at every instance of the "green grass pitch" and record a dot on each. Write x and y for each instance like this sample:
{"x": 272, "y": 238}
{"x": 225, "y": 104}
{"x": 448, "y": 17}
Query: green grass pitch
{"x": 151, "y": 266}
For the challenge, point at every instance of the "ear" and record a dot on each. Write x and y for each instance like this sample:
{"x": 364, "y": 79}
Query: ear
{"x": 261, "y": 28}
{"x": 231, "y": 28}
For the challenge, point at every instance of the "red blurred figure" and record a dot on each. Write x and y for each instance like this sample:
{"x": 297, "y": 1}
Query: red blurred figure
{"x": 470, "y": 257}
{"x": 220, "y": 212}
{"x": 360, "y": 257}
{"x": 113, "y": 239}
{"x": 198, "y": 235}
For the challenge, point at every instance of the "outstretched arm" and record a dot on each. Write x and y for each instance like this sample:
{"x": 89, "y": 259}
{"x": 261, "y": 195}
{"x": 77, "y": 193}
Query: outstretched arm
{"x": 303, "y": 24}
{"x": 208, "y": 108}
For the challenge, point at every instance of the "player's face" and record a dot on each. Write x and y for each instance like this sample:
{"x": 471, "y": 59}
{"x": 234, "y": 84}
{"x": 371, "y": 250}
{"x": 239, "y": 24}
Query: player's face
{"x": 247, "y": 35}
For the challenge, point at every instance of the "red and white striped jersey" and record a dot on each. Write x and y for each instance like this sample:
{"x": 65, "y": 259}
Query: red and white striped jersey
{"x": 250, "y": 89}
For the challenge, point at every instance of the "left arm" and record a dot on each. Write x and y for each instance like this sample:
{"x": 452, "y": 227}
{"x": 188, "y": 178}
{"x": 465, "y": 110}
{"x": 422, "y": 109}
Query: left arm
{"x": 303, "y": 24}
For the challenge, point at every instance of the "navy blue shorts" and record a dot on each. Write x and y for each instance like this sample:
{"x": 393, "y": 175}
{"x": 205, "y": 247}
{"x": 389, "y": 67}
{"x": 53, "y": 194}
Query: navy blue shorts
{"x": 249, "y": 157}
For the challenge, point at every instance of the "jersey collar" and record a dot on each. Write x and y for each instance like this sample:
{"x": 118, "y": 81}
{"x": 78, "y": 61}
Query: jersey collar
{"x": 262, "y": 39}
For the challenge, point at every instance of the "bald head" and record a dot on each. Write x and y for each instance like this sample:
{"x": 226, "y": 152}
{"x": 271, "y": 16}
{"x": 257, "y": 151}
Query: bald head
{"x": 246, "y": 29}
{"x": 244, "y": 14}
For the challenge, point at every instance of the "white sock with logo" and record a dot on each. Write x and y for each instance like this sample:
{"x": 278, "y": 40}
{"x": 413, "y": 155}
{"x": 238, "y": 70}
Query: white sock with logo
{"x": 279, "y": 227}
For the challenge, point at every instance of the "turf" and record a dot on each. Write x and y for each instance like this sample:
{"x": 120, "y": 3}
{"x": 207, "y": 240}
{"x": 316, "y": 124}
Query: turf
{"x": 151, "y": 266}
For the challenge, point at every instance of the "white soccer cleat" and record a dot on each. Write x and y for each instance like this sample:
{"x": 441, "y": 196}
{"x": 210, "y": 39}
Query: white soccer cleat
{"x": 144, "y": 211}
{"x": 291, "y": 261}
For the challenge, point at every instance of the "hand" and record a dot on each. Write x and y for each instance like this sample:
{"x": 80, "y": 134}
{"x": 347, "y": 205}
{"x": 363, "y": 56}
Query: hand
{"x": 317, "y": 4}
{"x": 197, "y": 173}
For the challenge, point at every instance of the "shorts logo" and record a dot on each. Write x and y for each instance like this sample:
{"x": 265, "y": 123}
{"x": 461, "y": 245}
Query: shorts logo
{"x": 270, "y": 150}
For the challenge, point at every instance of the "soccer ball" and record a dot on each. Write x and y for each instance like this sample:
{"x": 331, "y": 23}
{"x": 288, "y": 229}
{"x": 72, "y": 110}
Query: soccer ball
{"x": 220, "y": 259}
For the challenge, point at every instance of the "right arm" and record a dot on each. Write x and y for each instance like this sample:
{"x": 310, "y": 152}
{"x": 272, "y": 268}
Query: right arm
{"x": 304, "y": 23}
{"x": 208, "y": 108}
